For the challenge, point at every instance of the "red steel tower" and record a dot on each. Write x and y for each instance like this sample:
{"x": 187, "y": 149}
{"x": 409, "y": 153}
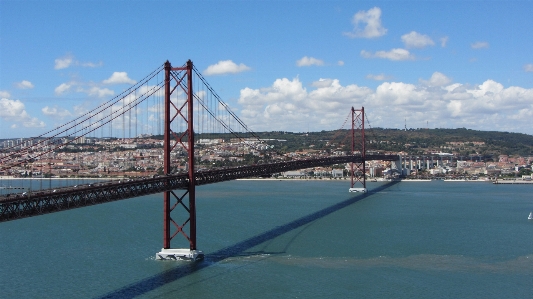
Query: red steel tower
{"x": 178, "y": 81}
{"x": 358, "y": 170}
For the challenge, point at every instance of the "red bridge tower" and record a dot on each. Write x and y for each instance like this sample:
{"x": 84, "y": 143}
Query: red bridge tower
{"x": 358, "y": 170}
{"x": 178, "y": 81}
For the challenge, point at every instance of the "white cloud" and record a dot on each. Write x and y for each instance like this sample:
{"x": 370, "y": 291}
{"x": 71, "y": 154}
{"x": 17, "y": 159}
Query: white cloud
{"x": 379, "y": 77}
{"x": 4, "y": 94}
{"x": 62, "y": 88}
{"x": 394, "y": 54}
{"x": 63, "y": 62}
{"x": 437, "y": 79}
{"x": 69, "y": 60}
{"x": 399, "y": 94}
{"x": 480, "y": 45}
{"x": 322, "y": 83}
{"x": 414, "y": 39}
{"x": 92, "y": 64}
{"x": 225, "y": 67}
{"x": 119, "y": 78}
{"x": 340, "y": 63}
{"x": 99, "y": 92}
{"x": 443, "y": 41}
{"x": 373, "y": 27}
{"x": 12, "y": 109}
{"x": 15, "y": 111}
{"x": 56, "y": 112}
{"x": 33, "y": 123}
{"x": 93, "y": 89}
{"x": 528, "y": 67}
{"x": 308, "y": 61}
{"x": 24, "y": 85}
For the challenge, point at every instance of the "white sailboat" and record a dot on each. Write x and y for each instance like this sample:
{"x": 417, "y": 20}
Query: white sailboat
{"x": 530, "y": 216}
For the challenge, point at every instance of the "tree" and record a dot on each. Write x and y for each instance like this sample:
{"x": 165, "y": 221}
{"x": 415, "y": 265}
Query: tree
{"x": 524, "y": 171}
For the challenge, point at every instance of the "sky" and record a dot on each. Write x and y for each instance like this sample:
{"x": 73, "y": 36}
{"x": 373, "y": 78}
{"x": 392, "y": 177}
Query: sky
{"x": 280, "y": 65}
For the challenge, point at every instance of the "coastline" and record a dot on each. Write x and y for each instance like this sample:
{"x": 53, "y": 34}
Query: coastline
{"x": 14, "y": 178}
{"x": 503, "y": 182}
{"x": 482, "y": 181}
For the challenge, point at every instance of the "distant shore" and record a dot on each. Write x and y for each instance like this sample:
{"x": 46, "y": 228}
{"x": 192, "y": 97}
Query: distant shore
{"x": 75, "y": 178}
{"x": 299, "y": 179}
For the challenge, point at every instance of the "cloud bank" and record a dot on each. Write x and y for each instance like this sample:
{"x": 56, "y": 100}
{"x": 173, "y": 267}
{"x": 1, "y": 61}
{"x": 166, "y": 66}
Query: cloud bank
{"x": 438, "y": 102}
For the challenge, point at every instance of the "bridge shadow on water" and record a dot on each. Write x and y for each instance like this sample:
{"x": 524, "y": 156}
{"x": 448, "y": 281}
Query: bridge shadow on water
{"x": 151, "y": 283}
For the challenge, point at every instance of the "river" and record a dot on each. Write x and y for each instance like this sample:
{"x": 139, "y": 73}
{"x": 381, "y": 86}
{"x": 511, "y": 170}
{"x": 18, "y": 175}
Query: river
{"x": 285, "y": 239}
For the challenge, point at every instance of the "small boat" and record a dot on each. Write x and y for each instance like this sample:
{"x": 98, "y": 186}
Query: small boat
{"x": 363, "y": 190}
{"x": 530, "y": 216}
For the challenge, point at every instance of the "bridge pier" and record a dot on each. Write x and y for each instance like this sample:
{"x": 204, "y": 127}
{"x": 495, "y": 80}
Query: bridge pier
{"x": 179, "y": 254}
{"x": 400, "y": 166}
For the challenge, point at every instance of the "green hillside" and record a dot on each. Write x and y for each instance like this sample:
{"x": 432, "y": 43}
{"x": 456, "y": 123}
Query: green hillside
{"x": 461, "y": 141}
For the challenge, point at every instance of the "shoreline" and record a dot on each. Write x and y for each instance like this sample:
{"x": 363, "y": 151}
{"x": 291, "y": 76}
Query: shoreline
{"x": 503, "y": 182}
{"x": 14, "y": 178}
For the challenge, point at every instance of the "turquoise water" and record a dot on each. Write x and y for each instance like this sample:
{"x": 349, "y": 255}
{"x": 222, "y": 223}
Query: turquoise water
{"x": 281, "y": 239}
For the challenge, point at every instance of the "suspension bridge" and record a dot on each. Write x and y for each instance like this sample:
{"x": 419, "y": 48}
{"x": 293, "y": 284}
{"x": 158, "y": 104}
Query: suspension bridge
{"x": 179, "y": 103}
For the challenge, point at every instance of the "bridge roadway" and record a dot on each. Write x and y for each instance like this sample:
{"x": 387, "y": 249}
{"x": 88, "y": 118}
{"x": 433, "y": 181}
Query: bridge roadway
{"x": 40, "y": 202}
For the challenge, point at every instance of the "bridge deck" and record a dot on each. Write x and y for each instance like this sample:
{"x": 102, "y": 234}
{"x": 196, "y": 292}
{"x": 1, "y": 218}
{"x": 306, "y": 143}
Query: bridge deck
{"x": 55, "y": 200}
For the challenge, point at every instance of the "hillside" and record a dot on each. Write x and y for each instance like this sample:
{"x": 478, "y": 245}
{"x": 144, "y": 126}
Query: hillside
{"x": 415, "y": 141}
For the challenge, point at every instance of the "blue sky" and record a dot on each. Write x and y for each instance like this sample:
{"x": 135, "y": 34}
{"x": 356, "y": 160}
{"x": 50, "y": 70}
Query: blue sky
{"x": 281, "y": 65}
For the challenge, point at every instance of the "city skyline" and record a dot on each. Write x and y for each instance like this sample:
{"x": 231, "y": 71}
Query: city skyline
{"x": 281, "y": 66}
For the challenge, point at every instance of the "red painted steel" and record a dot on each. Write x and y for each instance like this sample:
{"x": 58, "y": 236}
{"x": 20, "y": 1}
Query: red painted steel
{"x": 192, "y": 177}
{"x": 179, "y": 77}
{"x": 353, "y": 148}
{"x": 166, "y": 158}
{"x": 358, "y": 124}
